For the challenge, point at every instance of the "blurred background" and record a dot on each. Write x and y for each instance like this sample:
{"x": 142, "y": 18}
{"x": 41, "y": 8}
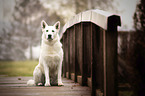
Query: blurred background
{"x": 20, "y": 31}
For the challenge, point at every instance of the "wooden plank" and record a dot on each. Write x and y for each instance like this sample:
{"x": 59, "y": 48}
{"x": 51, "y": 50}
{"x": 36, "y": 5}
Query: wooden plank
{"x": 68, "y": 64}
{"x": 65, "y": 54}
{"x": 71, "y": 67}
{"x": 69, "y": 89}
{"x": 87, "y": 52}
{"x": 67, "y": 75}
{"x": 99, "y": 17}
{"x": 66, "y": 45}
{"x": 72, "y": 50}
{"x": 79, "y": 79}
{"x": 73, "y": 76}
{"x": 98, "y": 93}
{"x": 78, "y": 50}
{"x": 86, "y": 16}
{"x": 111, "y": 57}
{"x": 89, "y": 82}
{"x": 97, "y": 65}
{"x": 14, "y": 78}
{"x": 40, "y": 92}
{"x": 73, "y": 54}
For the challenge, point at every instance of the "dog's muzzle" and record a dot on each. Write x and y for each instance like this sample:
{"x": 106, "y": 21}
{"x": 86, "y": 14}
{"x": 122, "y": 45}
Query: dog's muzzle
{"x": 49, "y": 37}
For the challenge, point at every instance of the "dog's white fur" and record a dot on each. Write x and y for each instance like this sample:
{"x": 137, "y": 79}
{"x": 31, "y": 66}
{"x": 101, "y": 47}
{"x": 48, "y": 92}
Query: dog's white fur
{"x": 51, "y": 57}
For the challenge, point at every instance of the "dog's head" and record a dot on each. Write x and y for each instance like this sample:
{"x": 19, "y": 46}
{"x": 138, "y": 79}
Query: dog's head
{"x": 50, "y": 32}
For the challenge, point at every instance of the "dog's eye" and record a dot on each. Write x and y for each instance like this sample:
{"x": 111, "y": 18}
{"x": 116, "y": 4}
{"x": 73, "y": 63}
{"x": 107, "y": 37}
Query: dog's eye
{"x": 52, "y": 30}
{"x": 46, "y": 30}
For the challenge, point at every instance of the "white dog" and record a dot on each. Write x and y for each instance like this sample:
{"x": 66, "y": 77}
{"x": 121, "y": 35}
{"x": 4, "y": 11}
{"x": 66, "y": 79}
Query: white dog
{"x": 48, "y": 71}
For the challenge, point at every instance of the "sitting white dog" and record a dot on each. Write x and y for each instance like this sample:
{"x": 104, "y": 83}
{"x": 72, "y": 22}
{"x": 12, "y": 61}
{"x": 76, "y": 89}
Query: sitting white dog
{"x": 48, "y": 71}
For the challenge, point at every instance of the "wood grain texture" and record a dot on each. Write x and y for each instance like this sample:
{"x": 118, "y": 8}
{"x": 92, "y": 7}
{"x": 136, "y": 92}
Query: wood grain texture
{"x": 16, "y": 86}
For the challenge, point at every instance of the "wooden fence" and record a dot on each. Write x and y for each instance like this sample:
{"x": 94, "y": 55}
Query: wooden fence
{"x": 90, "y": 51}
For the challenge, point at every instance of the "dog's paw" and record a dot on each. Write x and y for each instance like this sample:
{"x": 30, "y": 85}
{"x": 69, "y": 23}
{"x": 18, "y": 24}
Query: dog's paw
{"x": 47, "y": 85}
{"x": 60, "y": 84}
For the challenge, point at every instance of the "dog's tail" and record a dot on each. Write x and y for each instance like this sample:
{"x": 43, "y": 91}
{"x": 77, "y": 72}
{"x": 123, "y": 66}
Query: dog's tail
{"x": 31, "y": 82}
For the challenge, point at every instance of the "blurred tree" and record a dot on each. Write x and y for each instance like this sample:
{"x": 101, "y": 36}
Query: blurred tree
{"x": 66, "y": 9}
{"x": 26, "y": 13}
{"x": 63, "y": 9}
{"x": 24, "y": 31}
{"x": 83, "y": 5}
{"x": 139, "y": 16}
{"x": 136, "y": 52}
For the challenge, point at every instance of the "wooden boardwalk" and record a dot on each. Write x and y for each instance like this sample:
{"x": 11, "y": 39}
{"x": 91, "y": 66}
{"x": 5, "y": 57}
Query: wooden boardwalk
{"x": 16, "y": 86}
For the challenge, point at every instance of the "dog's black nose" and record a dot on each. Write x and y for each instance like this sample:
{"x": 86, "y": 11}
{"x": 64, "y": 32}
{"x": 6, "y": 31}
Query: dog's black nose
{"x": 49, "y": 36}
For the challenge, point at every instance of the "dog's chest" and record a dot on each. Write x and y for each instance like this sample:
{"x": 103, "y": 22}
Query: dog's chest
{"x": 52, "y": 54}
{"x": 51, "y": 50}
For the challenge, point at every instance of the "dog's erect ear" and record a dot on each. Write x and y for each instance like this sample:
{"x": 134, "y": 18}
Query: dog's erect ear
{"x": 57, "y": 25}
{"x": 43, "y": 24}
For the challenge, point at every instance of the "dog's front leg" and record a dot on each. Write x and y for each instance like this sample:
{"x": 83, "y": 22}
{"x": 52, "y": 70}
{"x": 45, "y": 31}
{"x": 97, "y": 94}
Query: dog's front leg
{"x": 47, "y": 80}
{"x": 59, "y": 76}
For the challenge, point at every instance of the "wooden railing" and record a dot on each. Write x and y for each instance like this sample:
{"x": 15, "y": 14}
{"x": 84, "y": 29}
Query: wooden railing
{"x": 90, "y": 51}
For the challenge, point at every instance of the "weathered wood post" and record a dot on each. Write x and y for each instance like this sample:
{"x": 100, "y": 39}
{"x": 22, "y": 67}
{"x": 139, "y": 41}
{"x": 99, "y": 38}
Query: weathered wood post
{"x": 78, "y": 50}
{"x": 87, "y": 51}
{"x": 111, "y": 55}
{"x": 65, "y": 49}
{"x": 97, "y": 65}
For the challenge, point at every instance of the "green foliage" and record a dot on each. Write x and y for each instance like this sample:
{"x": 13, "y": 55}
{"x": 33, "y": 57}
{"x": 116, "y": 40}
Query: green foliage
{"x": 17, "y": 68}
